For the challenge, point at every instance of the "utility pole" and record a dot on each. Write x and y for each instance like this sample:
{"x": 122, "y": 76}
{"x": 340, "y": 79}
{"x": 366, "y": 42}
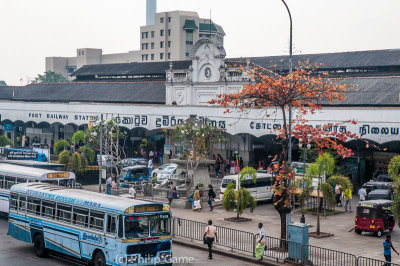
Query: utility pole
{"x": 101, "y": 152}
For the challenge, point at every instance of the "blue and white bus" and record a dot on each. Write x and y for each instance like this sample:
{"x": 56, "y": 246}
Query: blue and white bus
{"x": 104, "y": 229}
{"x": 11, "y": 174}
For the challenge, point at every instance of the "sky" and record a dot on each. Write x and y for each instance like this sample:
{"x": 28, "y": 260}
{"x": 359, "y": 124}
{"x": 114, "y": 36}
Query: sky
{"x": 32, "y": 30}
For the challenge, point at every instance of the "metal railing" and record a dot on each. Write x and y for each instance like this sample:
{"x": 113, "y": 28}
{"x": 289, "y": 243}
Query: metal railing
{"x": 280, "y": 250}
{"x": 228, "y": 237}
{"x": 328, "y": 257}
{"x": 363, "y": 261}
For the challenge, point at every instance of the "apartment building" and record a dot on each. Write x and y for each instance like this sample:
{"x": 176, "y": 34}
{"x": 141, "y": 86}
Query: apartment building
{"x": 173, "y": 34}
{"x": 167, "y": 36}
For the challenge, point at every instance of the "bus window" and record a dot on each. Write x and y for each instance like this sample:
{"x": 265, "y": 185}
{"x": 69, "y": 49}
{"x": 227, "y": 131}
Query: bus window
{"x": 136, "y": 226}
{"x": 13, "y": 202}
{"x": 22, "y": 204}
{"x": 160, "y": 225}
{"x": 80, "y": 217}
{"x": 33, "y": 206}
{"x": 10, "y": 181}
{"x": 21, "y": 180}
{"x": 111, "y": 224}
{"x": 2, "y": 182}
{"x": 64, "y": 213}
{"x": 120, "y": 227}
{"x": 96, "y": 221}
{"x": 48, "y": 209}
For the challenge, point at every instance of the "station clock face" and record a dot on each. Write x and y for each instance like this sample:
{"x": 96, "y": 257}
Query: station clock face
{"x": 207, "y": 72}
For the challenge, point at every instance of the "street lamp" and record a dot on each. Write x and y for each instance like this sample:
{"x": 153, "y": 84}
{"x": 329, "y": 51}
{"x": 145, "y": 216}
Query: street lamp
{"x": 290, "y": 105}
{"x": 90, "y": 125}
{"x": 305, "y": 147}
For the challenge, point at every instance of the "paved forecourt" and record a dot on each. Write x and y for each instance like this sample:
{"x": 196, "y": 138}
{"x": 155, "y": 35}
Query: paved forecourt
{"x": 17, "y": 253}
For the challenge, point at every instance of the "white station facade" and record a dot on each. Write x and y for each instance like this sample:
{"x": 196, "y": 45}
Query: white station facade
{"x": 144, "y": 98}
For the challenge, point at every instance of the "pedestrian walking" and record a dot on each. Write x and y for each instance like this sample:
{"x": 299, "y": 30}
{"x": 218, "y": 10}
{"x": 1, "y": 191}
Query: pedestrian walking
{"x": 387, "y": 250}
{"x": 132, "y": 191}
{"x": 211, "y": 196}
{"x": 108, "y": 185}
{"x": 197, "y": 204}
{"x": 210, "y": 234}
{"x": 217, "y": 166}
{"x": 260, "y": 248}
{"x": 347, "y": 198}
{"x": 362, "y": 193}
{"x": 150, "y": 165}
{"x": 338, "y": 192}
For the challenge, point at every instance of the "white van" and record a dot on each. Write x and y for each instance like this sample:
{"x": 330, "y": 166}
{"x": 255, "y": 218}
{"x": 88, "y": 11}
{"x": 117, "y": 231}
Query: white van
{"x": 261, "y": 190}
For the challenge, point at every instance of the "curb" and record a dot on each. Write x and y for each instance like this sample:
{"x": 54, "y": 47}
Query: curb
{"x": 223, "y": 253}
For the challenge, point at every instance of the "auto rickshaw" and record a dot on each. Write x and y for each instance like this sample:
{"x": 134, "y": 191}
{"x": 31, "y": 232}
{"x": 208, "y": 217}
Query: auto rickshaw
{"x": 374, "y": 216}
{"x": 133, "y": 174}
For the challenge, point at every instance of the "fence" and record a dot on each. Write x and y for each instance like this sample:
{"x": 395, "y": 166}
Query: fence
{"x": 280, "y": 250}
{"x": 227, "y": 237}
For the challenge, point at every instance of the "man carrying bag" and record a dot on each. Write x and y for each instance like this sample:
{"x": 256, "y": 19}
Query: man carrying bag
{"x": 209, "y": 235}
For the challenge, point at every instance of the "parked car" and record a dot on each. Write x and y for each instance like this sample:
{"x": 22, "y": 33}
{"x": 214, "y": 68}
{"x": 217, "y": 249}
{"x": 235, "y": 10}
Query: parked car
{"x": 166, "y": 173}
{"x": 133, "y": 174}
{"x": 162, "y": 168}
{"x": 131, "y": 162}
{"x": 371, "y": 185}
{"x": 261, "y": 189}
{"x": 384, "y": 194}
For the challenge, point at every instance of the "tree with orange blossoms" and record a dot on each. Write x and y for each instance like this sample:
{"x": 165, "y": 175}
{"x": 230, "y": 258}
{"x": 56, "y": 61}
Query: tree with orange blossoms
{"x": 305, "y": 91}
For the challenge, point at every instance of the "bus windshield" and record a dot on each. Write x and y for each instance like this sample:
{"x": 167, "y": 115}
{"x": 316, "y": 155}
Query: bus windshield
{"x": 147, "y": 225}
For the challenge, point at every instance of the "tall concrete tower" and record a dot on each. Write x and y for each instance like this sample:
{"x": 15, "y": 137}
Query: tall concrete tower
{"x": 151, "y": 9}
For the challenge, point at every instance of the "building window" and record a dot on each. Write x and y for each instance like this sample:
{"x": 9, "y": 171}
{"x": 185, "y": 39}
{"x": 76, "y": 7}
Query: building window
{"x": 169, "y": 19}
{"x": 161, "y": 32}
{"x": 161, "y": 44}
{"x": 161, "y": 20}
{"x": 145, "y": 46}
{"x": 169, "y": 56}
{"x": 189, "y": 42}
{"x": 152, "y": 34}
{"x": 152, "y": 56}
{"x": 145, "y": 57}
{"x": 82, "y": 53}
{"x": 161, "y": 55}
{"x": 169, "y": 32}
{"x": 187, "y": 54}
{"x": 152, "y": 45}
{"x": 145, "y": 35}
{"x": 169, "y": 44}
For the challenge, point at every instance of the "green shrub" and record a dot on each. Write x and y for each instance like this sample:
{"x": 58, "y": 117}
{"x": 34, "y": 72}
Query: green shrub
{"x": 4, "y": 141}
{"x": 61, "y": 145}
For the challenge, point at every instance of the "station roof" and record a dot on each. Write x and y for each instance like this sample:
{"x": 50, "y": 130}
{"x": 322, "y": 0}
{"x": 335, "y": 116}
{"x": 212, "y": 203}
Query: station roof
{"x": 373, "y": 91}
{"x": 110, "y": 92}
{"x": 128, "y": 69}
{"x": 357, "y": 59}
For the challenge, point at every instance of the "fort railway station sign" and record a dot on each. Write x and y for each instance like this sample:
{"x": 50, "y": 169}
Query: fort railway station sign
{"x": 377, "y": 124}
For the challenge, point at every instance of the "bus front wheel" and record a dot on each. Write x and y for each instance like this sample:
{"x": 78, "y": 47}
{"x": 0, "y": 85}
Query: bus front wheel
{"x": 378, "y": 233}
{"x": 99, "y": 259}
{"x": 39, "y": 246}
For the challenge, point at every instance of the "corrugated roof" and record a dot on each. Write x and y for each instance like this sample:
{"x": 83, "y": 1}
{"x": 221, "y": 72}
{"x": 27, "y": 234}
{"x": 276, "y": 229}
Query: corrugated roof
{"x": 112, "y": 92}
{"x": 130, "y": 68}
{"x": 6, "y": 92}
{"x": 376, "y": 58}
{"x": 377, "y": 91}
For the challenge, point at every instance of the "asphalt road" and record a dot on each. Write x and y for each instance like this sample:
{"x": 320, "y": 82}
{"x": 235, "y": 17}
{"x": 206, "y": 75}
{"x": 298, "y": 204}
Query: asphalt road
{"x": 17, "y": 253}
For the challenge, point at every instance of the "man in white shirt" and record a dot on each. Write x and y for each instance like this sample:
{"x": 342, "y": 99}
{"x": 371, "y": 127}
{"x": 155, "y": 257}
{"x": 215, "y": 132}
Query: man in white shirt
{"x": 150, "y": 166}
{"x": 362, "y": 193}
{"x": 132, "y": 191}
{"x": 260, "y": 243}
{"x": 108, "y": 184}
